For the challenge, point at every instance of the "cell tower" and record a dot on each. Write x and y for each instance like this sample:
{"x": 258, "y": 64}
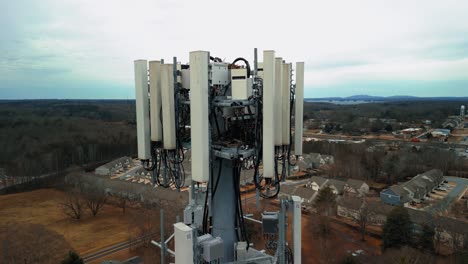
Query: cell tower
{"x": 233, "y": 118}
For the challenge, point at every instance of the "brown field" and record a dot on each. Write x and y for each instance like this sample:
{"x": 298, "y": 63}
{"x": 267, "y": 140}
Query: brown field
{"x": 341, "y": 242}
{"x": 87, "y": 235}
{"x": 110, "y": 227}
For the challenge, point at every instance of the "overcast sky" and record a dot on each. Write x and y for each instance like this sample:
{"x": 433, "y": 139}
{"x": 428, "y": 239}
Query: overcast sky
{"x": 85, "y": 49}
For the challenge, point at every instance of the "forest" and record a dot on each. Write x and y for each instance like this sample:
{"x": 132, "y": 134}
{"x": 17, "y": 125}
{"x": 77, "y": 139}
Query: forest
{"x": 354, "y": 118}
{"x": 47, "y": 136}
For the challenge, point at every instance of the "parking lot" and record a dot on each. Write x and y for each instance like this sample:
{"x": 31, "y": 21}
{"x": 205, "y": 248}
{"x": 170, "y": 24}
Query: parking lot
{"x": 443, "y": 199}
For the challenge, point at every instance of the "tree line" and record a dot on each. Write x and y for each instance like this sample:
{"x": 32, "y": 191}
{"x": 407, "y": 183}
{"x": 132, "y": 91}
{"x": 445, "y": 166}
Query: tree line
{"x": 384, "y": 164}
{"x": 47, "y": 136}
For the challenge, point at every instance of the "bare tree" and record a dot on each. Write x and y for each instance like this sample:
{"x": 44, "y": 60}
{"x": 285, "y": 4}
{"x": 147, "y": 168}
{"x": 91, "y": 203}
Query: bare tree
{"x": 95, "y": 200}
{"x": 73, "y": 204}
{"x": 362, "y": 218}
{"x": 122, "y": 203}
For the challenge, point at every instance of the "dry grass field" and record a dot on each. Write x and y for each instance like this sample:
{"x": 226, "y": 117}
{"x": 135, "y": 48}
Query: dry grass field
{"x": 87, "y": 235}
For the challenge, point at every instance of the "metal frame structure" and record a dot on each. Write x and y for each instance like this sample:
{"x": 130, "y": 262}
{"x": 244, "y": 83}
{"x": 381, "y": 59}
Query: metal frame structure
{"x": 230, "y": 130}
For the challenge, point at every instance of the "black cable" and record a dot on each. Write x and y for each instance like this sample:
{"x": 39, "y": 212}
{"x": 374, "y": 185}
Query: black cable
{"x": 215, "y": 59}
{"x": 243, "y": 226}
{"x": 218, "y": 178}
{"x": 246, "y": 64}
{"x": 158, "y": 170}
{"x": 238, "y": 209}
{"x": 237, "y": 223}
{"x": 291, "y": 103}
{"x": 216, "y": 123}
{"x": 205, "y": 208}
{"x": 227, "y": 88}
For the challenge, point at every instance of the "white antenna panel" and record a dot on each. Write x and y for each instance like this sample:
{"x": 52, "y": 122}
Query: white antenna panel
{"x": 299, "y": 114}
{"x": 286, "y": 113}
{"x": 199, "y": 85}
{"x": 167, "y": 92}
{"x": 155, "y": 100}
{"x": 278, "y": 102}
{"x": 142, "y": 111}
{"x": 268, "y": 113}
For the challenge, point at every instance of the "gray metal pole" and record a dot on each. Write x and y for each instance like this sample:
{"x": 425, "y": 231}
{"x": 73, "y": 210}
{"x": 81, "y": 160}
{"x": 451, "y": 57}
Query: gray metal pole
{"x": 194, "y": 244}
{"x": 176, "y": 110}
{"x": 282, "y": 234}
{"x": 163, "y": 243}
{"x": 257, "y": 198}
{"x": 224, "y": 209}
{"x": 255, "y": 62}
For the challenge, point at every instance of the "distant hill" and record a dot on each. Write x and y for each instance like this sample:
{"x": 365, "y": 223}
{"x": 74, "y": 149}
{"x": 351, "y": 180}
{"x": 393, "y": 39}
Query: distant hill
{"x": 369, "y": 98}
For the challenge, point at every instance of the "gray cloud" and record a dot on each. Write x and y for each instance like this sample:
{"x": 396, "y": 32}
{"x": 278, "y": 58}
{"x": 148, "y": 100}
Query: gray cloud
{"x": 94, "y": 42}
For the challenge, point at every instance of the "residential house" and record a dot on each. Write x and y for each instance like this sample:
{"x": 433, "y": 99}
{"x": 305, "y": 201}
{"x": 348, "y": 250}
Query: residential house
{"x": 413, "y": 190}
{"x": 287, "y": 190}
{"x": 449, "y": 231}
{"x": 316, "y": 183}
{"x": 356, "y": 188}
{"x": 337, "y": 186}
{"x": 378, "y": 212}
{"x": 349, "y": 207}
{"x": 314, "y": 160}
{"x": 307, "y": 195}
{"x": 395, "y": 195}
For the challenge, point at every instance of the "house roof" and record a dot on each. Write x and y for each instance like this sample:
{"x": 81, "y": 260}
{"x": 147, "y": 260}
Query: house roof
{"x": 404, "y": 195}
{"x": 418, "y": 185}
{"x": 339, "y": 185}
{"x": 115, "y": 162}
{"x": 305, "y": 193}
{"x": 288, "y": 188}
{"x": 446, "y": 223}
{"x": 353, "y": 203}
{"x": 319, "y": 180}
{"x": 378, "y": 207}
{"x": 317, "y": 158}
{"x": 356, "y": 184}
{"x": 434, "y": 174}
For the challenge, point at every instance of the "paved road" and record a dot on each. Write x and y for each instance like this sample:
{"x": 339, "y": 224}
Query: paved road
{"x": 462, "y": 184}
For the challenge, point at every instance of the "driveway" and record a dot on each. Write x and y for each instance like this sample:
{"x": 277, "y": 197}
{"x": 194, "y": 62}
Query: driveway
{"x": 451, "y": 196}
